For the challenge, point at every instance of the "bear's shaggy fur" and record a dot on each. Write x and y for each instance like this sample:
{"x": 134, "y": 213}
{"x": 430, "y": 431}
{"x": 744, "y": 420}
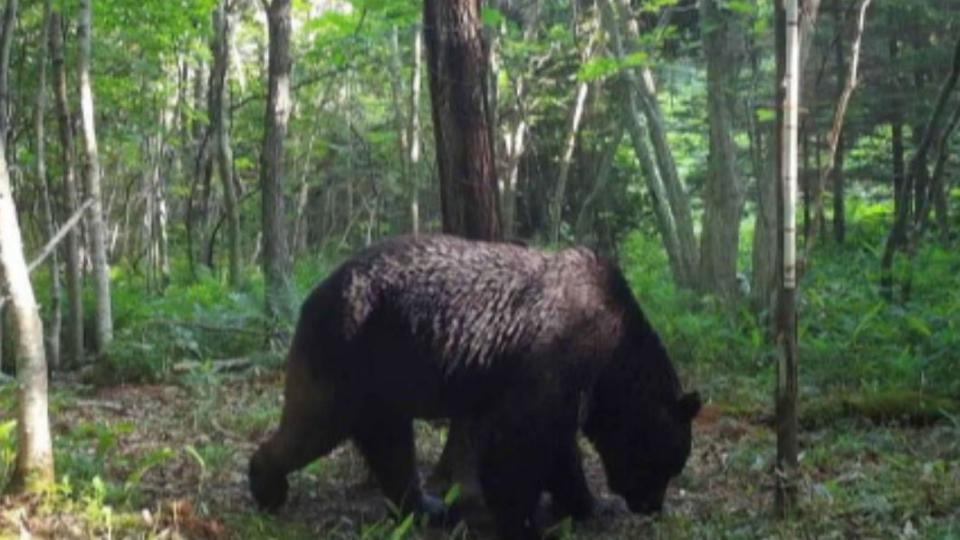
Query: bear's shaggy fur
{"x": 511, "y": 338}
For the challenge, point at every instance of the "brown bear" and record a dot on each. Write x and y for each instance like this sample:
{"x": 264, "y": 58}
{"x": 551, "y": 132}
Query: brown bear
{"x": 526, "y": 345}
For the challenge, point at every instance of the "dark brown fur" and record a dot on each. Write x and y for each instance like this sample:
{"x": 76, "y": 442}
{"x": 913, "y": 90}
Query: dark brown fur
{"x": 511, "y": 338}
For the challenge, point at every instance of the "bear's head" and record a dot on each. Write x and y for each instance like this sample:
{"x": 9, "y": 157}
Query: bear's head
{"x": 268, "y": 483}
{"x": 643, "y": 447}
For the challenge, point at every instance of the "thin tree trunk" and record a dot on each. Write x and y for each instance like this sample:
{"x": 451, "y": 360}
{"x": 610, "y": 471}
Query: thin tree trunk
{"x": 298, "y": 241}
{"x": 835, "y": 138}
{"x": 937, "y": 184}
{"x": 400, "y": 122}
{"x": 457, "y": 63}
{"x": 899, "y": 231}
{"x": 413, "y": 130}
{"x": 766, "y": 275}
{"x": 275, "y": 253}
{"x": 517, "y": 126}
{"x": 786, "y": 334}
{"x": 607, "y": 155}
{"x": 765, "y": 244}
{"x": 839, "y": 224}
{"x": 724, "y": 193}
{"x": 96, "y": 228}
{"x": 805, "y": 181}
{"x": 56, "y": 312}
{"x": 218, "y": 110}
{"x": 74, "y": 337}
{"x": 645, "y": 127}
{"x": 33, "y": 471}
{"x": 559, "y": 193}
{"x": 514, "y": 146}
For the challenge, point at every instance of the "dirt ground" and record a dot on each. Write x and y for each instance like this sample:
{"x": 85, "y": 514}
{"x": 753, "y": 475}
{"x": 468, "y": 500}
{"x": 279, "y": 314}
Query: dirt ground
{"x": 174, "y": 459}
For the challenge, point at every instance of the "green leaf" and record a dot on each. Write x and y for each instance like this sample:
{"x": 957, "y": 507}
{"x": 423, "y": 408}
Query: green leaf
{"x": 402, "y": 530}
{"x": 492, "y": 17}
{"x": 766, "y": 114}
{"x": 6, "y": 430}
{"x": 741, "y": 7}
{"x": 919, "y": 326}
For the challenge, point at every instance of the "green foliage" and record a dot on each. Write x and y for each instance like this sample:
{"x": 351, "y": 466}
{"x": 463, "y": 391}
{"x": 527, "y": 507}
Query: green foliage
{"x": 198, "y": 321}
{"x": 720, "y": 349}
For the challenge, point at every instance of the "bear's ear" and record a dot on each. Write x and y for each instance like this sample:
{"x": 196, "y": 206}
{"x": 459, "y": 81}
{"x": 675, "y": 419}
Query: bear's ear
{"x": 687, "y": 406}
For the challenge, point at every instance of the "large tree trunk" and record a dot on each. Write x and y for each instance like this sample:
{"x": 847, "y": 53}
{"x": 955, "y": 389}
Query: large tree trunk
{"x": 34, "y": 468}
{"x": 724, "y": 196}
{"x": 56, "y": 313}
{"x": 74, "y": 338}
{"x": 218, "y": 110}
{"x": 786, "y": 324}
{"x": 645, "y": 125}
{"x": 91, "y": 172}
{"x": 457, "y": 64}
{"x": 275, "y": 254}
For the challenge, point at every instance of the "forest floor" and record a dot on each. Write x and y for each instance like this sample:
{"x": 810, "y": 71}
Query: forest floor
{"x": 169, "y": 461}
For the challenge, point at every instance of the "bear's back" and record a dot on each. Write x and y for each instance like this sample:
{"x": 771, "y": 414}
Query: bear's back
{"x": 469, "y": 302}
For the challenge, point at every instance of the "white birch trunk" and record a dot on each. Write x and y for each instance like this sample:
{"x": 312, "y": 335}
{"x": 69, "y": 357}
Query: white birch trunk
{"x": 91, "y": 172}
{"x": 34, "y": 467}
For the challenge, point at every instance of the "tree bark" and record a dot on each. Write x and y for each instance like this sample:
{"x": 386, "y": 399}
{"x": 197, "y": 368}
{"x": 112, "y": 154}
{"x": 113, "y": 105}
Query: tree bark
{"x": 96, "y": 229}
{"x": 457, "y": 65}
{"x": 33, "y": 471}
{"x": 56, "y": 312}
{"x": 786, "y": 331}
{"x": 724, "y": 195}
{"x": 218, "y": 110}
{"x": 275, "y": 253}
{"x": 74, "y": 278}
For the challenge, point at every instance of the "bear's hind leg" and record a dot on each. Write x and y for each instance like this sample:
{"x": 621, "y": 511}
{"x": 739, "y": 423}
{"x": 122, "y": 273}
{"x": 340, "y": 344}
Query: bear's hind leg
{"x": 387, "y": 444}
{"x": 514, "y": 466}
{"x": 568, "y": 484}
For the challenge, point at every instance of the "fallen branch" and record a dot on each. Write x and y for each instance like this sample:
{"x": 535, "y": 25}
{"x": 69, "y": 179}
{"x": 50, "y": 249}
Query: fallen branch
{"x": 109, "y": 405}
{"x": 236, "y": 438}
{"x": 210, "y": 327}
{"x": 61, "y": 234}
{"x": 52, "y": 243}
{"x": 219, "y": 366}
